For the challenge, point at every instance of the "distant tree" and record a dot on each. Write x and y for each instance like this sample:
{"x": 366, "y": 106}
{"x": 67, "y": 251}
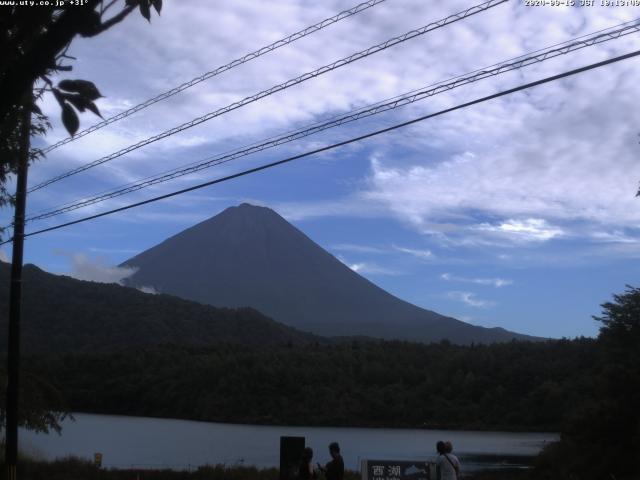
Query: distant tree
{"x": 619, "y": 384}
{"x": 43, "y": 405}
{"x": 34, "y": 41}
{"x": 621, "y": 319}
{"x": 604, "y": 427}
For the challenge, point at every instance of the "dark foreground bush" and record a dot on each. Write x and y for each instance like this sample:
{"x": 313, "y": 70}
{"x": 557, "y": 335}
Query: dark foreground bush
{"x": 504, "y": 474}
{"x": 78, "y": 469}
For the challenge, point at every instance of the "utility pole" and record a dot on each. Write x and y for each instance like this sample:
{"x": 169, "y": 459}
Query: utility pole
{"x": 15, "y": 295}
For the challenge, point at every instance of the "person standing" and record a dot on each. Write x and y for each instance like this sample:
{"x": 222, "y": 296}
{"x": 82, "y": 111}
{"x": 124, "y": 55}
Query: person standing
{"x": 447, "y": 464}
{"x": 334, "y": 470}
{"x": 305, "y": 472}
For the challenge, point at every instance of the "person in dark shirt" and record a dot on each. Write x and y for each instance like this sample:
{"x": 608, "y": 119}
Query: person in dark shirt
{"x": 334, "y": 470}
{"x": 305, "y": 472}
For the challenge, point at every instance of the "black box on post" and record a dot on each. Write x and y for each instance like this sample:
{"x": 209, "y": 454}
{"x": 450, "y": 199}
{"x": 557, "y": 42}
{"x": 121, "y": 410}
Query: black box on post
{"x": 291, "y": 449}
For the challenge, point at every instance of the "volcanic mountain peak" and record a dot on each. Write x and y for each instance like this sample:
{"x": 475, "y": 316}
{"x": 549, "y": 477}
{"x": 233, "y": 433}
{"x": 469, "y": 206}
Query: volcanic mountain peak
{"x": 249, "y": 256}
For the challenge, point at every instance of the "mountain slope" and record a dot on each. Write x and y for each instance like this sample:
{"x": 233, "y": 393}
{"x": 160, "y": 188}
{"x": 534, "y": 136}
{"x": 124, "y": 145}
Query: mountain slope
{"x": 62, "y": 314}
{"x": 251, "y": 256}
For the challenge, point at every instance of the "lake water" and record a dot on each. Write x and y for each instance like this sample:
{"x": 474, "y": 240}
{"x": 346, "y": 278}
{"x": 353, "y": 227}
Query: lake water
{"x": 136, "y": 442}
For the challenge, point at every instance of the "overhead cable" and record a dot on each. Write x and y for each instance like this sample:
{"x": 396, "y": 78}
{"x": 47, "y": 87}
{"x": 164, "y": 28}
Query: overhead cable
{"x": 336, "y": 145}
{"x": 386, "y": 105}
{"x": 217, "y": 71}
{"x": 277, "y": 88}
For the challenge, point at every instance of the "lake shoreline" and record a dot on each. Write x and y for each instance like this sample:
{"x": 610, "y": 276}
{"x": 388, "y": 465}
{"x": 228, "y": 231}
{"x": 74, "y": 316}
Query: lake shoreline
{"x": 380, "y": 426}
{"x": 177, "y": 444}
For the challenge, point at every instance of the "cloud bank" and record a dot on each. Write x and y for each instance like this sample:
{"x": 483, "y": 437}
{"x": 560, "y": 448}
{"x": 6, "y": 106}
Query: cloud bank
{"x": 95, "y": 269}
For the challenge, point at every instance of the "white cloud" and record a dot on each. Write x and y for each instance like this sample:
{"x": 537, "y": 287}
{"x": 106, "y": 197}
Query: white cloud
{"x": 372, "y": 268}
{"x": 236, "y": 28}
{"x": 149, "y": 290}
{"x": 95, "y": 269}
{"x": 527, "y": 230}
{"x": 512, "y": 170}
{"x": 555, "y": 155}
{"x": 615, "y": 236}
{"x": 421, "y": 254}
{"x": 544, "y": 181}
{"x": 357, "y": 267}
{"x": 368, "y": 267}
{"x": 496, "y": 282}
{"x": 470, "y": 299}
{"x": 3, "y": 256}
{"x": 113, "y": 250}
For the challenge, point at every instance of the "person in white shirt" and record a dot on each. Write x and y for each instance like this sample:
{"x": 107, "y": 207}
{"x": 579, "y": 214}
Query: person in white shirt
{"x": 447, "y": 464}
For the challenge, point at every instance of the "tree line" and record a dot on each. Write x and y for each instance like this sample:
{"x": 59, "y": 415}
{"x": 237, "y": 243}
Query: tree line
{"x": 587, "y": 389}
{"x": 518, "y": 385}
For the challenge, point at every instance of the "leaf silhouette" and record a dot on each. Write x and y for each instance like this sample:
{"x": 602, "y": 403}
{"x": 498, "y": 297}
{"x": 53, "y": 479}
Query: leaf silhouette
{"x": 76, "y": 100}
{"x": 92, "y": 106}
{"x": 70, "y": 119}
{"x": 144, "y": 9}
{"x": 83, "y": 87}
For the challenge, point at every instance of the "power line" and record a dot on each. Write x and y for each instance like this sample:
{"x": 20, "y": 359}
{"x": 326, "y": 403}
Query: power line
{"x": 386, "y": 105}
{"x": 217, "y": 71}
{"x": 339, "y": 144}
{"x": 608, "y": 33}
{"x": 282, "y": 86}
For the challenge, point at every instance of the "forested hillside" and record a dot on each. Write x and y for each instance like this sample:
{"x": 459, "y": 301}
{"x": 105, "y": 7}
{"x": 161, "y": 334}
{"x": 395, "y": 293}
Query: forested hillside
{"x": 62, "y": 314}
{"x": 531, "y": 386}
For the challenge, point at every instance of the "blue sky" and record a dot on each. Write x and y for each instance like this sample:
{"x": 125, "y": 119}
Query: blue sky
{"x": 519, "y": 213}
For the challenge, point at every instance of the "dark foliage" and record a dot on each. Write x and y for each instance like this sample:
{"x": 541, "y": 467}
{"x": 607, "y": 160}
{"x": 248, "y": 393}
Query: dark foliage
{"x": 79, "y": 469}
{"x": 73, "y": 468}
{"x": 42, "y": 406}
{"x": 62, "y": 314}
{"x": 211, "y": 368}
{"x": 601, "y": 438}
{"x": 34, "y": 41}
{"x": 517, "y": 385}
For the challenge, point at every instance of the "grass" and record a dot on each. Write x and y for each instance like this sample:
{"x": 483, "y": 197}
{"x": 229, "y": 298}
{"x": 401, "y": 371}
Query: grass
{"x": 503, "y": 474}
{"x": 73, "y": 468}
